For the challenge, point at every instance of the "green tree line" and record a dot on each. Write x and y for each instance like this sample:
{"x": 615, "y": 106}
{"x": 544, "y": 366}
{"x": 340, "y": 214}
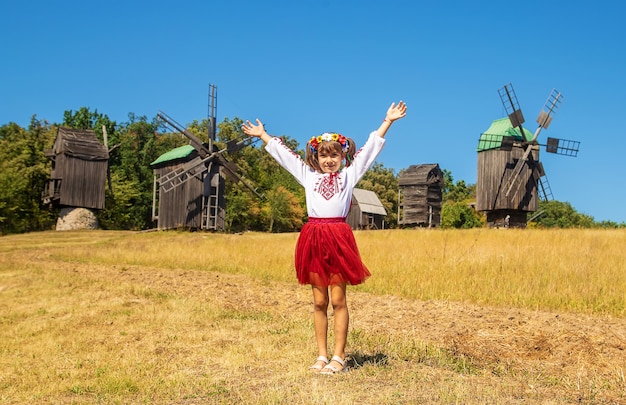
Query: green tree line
{"x": 134, "y": 144}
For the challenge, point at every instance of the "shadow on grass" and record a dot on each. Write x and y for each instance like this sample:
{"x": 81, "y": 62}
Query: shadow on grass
{"x": 358, "y": 360}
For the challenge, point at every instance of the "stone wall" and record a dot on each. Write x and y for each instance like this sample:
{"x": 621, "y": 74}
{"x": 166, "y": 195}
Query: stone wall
{"x": 72, "y": 218}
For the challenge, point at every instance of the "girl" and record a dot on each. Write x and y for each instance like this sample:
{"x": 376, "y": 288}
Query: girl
{"x": 326, "y": 255}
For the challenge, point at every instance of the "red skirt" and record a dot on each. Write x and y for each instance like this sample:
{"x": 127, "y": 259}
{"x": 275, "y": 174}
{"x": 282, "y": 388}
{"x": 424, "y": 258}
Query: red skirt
{"x": 327, "y": 254}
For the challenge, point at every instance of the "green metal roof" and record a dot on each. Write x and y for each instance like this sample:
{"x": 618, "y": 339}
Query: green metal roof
{"x": 178, "y": 153}
{"x": 492, "y": 137}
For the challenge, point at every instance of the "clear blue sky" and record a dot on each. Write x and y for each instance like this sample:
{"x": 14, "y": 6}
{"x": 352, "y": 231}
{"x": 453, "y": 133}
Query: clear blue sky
{"x": 305, "y": 67}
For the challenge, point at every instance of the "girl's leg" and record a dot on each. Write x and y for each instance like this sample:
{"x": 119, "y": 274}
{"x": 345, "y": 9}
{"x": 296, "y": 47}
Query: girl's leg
{"x": 320, "y": 319}
{"x": 342, "y": 318}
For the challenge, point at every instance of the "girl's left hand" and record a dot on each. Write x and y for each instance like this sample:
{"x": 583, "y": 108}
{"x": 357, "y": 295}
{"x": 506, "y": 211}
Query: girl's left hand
{"x": 395, "y": 112}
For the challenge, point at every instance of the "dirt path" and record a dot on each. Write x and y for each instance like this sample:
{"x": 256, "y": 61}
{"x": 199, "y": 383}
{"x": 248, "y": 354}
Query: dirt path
{"x": 559, "y": 344}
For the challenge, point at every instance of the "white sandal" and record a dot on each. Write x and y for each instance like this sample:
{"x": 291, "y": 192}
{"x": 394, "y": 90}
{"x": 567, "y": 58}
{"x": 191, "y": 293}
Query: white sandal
{"x": 329, "y": 369}
{"x": 317, "y": 367}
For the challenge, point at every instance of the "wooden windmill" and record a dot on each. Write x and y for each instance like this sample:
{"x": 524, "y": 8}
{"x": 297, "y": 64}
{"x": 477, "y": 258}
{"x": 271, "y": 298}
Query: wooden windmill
{"x": 420, "y": 196}
{"x": 190, "y": 190}
{"x": 77, "y": 182}
{"x": 511, "y": 178}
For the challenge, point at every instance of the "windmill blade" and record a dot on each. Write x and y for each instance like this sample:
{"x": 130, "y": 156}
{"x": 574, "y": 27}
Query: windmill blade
{"x": 549, "y": 109}
{"x": 517, "y": 170}
{"x": 537, "y": 215}
{"x": 233, "y": 146}
{"x": 547, "y": 112}
{"x": 193, "y": 168}
{"x": 562, "y": 147}
{"x": 544, "y": 119}
{"x": 511, "y": 106}
{"x": 539, "y": 175}
{"x": 231, "y": 171}
{"x": 105, "y": 138}
{"x": 544, "y": 189}
{"x": 193, "y": 140}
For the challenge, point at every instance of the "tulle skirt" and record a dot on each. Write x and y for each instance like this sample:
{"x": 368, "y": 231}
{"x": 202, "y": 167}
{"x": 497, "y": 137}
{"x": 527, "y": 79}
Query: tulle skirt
{"x": 327, "y": 254}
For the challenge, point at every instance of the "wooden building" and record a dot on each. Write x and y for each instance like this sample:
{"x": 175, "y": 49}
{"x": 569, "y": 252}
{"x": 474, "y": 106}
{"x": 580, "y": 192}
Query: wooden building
{"x": 366, "y": 211}
{"x": 499, "y": 149}
{"x": 183, "y": 206}
{"x": 420, "y": 189}
{"x": 79, "y": 170}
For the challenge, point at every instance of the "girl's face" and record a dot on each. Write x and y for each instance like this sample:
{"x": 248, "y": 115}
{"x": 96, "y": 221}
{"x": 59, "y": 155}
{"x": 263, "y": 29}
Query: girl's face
{"x": 330, "y": 160}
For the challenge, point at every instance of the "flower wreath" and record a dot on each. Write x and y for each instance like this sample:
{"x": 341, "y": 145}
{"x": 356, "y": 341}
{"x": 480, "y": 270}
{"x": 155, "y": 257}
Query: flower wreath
{"x": 329, "y": 137}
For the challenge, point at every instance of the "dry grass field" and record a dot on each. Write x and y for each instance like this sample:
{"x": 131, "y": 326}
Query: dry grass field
{"x": 448, "y": 317}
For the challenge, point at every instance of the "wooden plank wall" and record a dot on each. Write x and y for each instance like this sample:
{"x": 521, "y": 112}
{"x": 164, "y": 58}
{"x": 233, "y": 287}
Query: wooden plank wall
{"x": 421, "y": 196}
{"x": 354, "y": 217}
{"x": 495, "y": 169}
{"x": 83, "y": 182}
{"x": 180, "y": 207}
{"x": 416, "y": 201}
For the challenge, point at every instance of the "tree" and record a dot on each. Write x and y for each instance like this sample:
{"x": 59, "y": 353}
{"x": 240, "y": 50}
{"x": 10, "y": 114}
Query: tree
{"x": 611, "y": 224}
{"x": 283, "y": 210}
{"x": 125, "y": 205}
{"x": 557, "y": 214}
{"x": 24, "y": 169}
{"x": 457, "y": 192}
{"x": 459, "y": 215}
{"x": 456, "y": 211}
{"x": 129, "y": 203}
{"x": 243, "y": 211}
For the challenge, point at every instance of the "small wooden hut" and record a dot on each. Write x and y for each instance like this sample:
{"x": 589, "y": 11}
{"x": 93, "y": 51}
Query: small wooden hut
{"x": 420, "y": 189}
{"x": 185, "y": 205}
{"x": 79, "y": 170}
{"x": 366, "y": 211}
{"x": 499, "y": 149}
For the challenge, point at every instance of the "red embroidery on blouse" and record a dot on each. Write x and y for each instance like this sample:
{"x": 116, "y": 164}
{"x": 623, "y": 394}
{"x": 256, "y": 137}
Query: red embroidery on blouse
{"x": 329, "y": 185}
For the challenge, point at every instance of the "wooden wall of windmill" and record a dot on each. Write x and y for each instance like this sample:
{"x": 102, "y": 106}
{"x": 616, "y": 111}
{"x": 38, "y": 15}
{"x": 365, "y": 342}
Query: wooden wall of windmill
{"x": 77, "y": 182}
{"x": 181, "y": 206}
{"x": 420, "y": 195}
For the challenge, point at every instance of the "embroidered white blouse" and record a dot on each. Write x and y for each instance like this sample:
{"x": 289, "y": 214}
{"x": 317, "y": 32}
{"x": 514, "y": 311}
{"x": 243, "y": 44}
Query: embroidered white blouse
{"x": 328, "y": 195}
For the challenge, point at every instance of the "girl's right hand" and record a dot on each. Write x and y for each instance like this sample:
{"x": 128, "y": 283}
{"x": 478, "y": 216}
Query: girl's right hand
{"x": 257, "y": 130}
{"x": 253, "y": 130}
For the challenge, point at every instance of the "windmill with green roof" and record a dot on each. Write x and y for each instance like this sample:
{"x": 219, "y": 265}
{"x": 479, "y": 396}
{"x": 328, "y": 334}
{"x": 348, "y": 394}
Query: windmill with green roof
{"x": 511, "y": 179}
{"x": 189, "y": 181}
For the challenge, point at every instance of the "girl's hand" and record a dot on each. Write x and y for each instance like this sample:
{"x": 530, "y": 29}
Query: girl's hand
{"x": 395, "y": 112}
{"x": 257, "y": 130}
{"x": 253, "y": 130}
